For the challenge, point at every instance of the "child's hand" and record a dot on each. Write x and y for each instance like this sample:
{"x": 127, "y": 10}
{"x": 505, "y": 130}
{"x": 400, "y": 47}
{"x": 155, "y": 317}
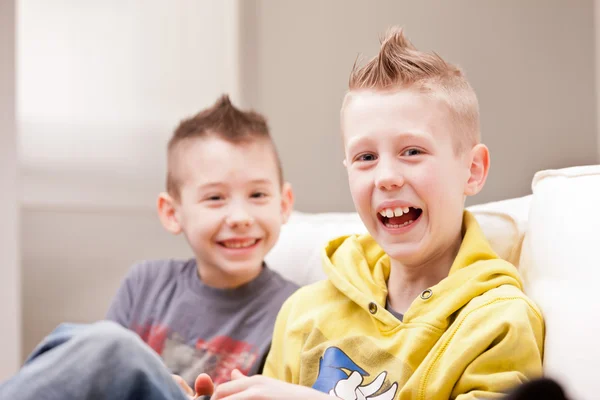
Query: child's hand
{"x": 183, "y": 385}
{"x": 260, "y": 387}
{"x": 204, "y": 386}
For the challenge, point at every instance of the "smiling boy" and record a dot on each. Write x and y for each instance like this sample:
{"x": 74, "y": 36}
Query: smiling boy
{"x": 421, "y": 308}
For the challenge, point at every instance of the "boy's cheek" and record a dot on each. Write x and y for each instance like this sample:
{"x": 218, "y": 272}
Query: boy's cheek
{"x": 360, "y": 186}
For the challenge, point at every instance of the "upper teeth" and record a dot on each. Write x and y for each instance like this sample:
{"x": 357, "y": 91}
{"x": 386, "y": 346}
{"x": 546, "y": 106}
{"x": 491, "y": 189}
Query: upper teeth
{"x": 394, "y": 212}
{"x": 237, "y": 245}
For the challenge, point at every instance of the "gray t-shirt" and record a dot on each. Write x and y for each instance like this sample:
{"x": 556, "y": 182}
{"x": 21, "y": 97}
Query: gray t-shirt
{"x": 394, "y": 312}
{"x": 196, "y": 328}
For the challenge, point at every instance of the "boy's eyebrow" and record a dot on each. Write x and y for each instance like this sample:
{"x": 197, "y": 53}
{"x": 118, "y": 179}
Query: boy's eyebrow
{"x": 356, "y": 142}
{"x": 210, "y": 185}
{"x": 417, "y": 135}
{"x": 261, "y": 181}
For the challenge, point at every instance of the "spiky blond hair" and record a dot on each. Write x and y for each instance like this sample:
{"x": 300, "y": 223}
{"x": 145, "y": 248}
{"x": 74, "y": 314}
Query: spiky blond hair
{"x": 399, "y": 65}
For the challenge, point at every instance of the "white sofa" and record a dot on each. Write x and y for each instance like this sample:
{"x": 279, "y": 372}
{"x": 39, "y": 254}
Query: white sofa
{"x": 551, "y": 236}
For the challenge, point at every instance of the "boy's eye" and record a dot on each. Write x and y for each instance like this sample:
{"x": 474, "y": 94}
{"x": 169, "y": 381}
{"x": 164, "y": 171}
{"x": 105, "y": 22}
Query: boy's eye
{"x": 412, "y": 152}
{"x": 258, "y": 195}
{"x": 366, "y": 157}
{"x": 214, "y": 198}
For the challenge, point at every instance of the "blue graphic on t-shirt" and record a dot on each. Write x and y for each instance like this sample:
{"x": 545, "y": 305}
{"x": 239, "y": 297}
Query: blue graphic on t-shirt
{"x": 340, "y": 376}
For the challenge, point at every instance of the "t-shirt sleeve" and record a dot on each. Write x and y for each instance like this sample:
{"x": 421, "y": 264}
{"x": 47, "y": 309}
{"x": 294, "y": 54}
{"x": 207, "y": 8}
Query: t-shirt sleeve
{"x": 122, "y": 304}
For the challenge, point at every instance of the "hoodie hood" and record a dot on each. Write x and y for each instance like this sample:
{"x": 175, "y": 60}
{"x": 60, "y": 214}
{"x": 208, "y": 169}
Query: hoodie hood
{"x": 358, "y": 267}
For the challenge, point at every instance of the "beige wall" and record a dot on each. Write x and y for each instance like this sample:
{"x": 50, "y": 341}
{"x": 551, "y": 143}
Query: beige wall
{"x": 531, "y": 63}
{"x": 10, "y": 285}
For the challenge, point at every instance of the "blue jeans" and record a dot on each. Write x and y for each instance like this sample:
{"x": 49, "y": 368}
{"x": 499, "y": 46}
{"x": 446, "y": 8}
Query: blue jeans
{"x": 98, "y": 361}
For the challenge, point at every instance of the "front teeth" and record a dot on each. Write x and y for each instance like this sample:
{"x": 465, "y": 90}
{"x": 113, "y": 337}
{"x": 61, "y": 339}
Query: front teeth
{"x": 239, "y": 245}
{"x": 399, "y": 225}
{"x": 397, "y": 212}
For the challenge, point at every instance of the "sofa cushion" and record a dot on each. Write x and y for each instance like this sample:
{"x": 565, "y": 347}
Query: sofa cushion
{"x": 297, "y": 254}
{"x": 504, "y": 224}
{"x": 560, "y": 267}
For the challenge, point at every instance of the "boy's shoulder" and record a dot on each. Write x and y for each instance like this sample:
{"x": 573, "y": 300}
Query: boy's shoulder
{"x": 150, "y": 277}
{"x": 506, "y": 297}
{"x": 142, "y": 289}
{"x": 270, "y": 289}
{"x": 281, "y": 282}
{"x": 319, "y": 297}
{"x": 321, "y": 289}
{"x": 153, "y": 269}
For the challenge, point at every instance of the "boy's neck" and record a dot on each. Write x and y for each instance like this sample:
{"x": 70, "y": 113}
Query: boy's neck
{"x": 407, "y": 282}
{"x": 217, "y": 278}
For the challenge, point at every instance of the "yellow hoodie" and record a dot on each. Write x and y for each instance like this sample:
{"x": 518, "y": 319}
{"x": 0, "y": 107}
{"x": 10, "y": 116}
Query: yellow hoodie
{"x": 474, "y": 335}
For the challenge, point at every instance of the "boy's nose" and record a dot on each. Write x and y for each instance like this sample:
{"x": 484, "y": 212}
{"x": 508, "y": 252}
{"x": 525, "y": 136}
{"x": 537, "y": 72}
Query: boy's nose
{"x": 239, "y": 220}
{"x": 389, "y": 180}
{"x": 387, "y": 174}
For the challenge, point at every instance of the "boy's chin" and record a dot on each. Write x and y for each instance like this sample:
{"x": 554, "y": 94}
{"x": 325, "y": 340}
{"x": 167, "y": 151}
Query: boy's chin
{"x": 241, "y": 269}
{"x": 403, "y": 253}
{"x": 241, "y": 266}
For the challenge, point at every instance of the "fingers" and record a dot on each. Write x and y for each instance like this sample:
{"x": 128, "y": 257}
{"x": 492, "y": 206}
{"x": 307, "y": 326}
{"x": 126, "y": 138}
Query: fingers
{"x": 238, "y": 385}
{"x": 204, "y": 385}
{"x": 245, "y": 395}
{"x": 236, "y": 374}
{"x": 183, "y": 385}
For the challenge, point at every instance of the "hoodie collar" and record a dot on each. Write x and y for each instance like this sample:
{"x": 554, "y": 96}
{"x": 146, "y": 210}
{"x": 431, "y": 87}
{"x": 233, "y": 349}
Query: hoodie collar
{"x": 359, "y": 268}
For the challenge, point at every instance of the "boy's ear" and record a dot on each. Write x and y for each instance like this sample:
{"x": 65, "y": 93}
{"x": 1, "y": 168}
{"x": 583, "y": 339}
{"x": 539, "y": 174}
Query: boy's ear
{"x": 167, "y": 213}
{"x": 478, "y": 170}
{"x": 287, "y": 202}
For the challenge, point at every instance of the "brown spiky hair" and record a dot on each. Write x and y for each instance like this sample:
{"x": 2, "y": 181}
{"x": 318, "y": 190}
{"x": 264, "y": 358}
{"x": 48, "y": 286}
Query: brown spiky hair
{"x": 222, "y": 120}
{"x": 399, "y": 65}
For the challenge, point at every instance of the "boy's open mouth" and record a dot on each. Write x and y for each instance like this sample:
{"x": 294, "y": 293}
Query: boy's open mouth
{"x": 399, "y": 217}
{"x": 238, "y": 244}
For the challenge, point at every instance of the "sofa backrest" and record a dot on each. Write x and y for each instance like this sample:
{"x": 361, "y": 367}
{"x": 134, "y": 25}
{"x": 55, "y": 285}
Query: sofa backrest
{"x": 561, "y": 271}
{"x": 297, "y": 254}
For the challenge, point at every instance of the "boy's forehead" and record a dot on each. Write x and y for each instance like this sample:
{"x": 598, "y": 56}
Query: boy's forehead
{"x": 378, "y": 105}
{"x": 212, "y": 159}
{"x": 368, "y": 112}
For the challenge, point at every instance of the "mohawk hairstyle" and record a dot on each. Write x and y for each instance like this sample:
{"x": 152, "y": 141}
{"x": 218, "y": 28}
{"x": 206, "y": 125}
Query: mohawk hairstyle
{"x": 222, "y": 120}
{"x": 400, "y": 65}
